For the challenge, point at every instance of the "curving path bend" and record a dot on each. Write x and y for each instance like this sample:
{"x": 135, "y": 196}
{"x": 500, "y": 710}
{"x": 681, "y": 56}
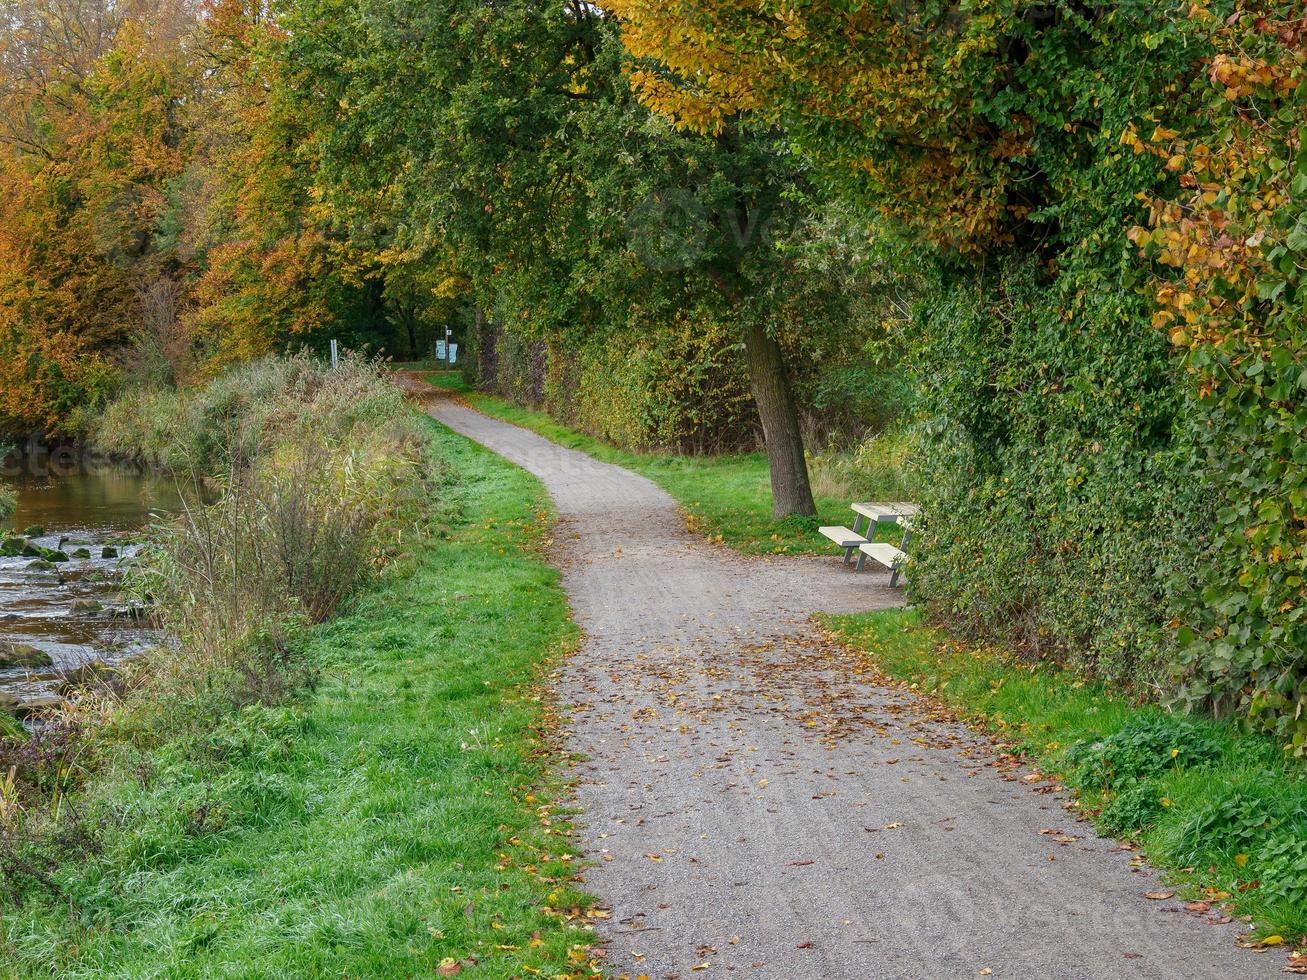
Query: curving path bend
{"x": 758, "y": 804}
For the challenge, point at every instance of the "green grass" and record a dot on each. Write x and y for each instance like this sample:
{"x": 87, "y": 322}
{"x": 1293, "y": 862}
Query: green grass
{"x": 1220, "y": 809}
{"x": 450, "y": 378}
{"x": 401, "y": 816}
{"x": 725, "y": 498}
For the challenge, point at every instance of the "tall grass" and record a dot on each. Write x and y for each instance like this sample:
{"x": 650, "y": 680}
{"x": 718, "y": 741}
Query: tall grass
{"x": 250, "y": 412}
{"x": 8, "y": 502}
{"x": 304, "y": 483}
{"x": 879, "y": 468}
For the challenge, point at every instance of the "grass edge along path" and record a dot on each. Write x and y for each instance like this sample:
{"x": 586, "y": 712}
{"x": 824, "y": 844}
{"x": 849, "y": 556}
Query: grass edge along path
{"x": 406, "y": 819}
{"x": 1221, "y": 811}
{"x": 726, "y": 499}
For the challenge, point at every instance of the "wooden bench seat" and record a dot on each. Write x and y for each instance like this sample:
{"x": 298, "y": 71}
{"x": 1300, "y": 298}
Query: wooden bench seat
{"x": 846, "y": 539}
{"x": 894, "y": 512}
{"x": 884, "y": 554}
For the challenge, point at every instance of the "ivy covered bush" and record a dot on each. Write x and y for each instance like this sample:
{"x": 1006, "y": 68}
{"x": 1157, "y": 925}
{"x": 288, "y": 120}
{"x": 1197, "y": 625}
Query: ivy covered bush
{"x": 1229, "y": 249}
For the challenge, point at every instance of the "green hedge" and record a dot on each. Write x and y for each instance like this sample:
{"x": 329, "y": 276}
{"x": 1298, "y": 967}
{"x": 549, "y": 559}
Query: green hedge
{"x": 1060, "y": 503}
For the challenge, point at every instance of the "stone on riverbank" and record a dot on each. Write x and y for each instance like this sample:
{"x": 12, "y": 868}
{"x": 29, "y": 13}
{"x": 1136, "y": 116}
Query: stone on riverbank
{"x": 23, "y": 655}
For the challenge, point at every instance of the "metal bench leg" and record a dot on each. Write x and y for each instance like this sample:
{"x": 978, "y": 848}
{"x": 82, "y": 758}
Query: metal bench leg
{"x": 848, "y": 555}
{"x": 862, "y": 561}
{"x": 903, "y": 547}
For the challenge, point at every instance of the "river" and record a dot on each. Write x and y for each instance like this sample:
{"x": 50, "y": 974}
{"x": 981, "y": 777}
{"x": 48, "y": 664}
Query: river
{"x": 70, "y": 612}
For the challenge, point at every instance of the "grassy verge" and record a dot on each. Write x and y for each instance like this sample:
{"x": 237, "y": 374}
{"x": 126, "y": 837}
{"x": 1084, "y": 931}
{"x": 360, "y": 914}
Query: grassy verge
{"x": 1221, "y": 810}
{"x": 400, "y": 821}
{"x": 726, "y": 498}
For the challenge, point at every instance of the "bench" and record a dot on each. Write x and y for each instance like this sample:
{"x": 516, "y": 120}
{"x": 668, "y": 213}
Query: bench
{"x": 846, "y": 539}
{"x": 868, "y": 517}
{"x": 873, "y": 513}
{"x": 883, "y": 553}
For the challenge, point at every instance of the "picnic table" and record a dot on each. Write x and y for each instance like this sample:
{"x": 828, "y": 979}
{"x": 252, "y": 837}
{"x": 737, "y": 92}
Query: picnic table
{"x": 860, "y": 538}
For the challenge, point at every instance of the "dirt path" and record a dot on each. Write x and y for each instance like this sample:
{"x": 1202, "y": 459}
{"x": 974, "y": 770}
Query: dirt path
{"x": 756, "y": 802}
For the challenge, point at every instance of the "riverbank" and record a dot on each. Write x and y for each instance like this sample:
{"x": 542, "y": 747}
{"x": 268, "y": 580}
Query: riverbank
{"x": 401, "y": 820}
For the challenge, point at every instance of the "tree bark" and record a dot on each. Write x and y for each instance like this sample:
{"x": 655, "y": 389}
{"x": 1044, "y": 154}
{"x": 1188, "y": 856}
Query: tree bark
{"x": 790, "y": 489}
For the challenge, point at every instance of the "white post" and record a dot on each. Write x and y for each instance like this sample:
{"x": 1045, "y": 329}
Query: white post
{"x": 335, "y": 357}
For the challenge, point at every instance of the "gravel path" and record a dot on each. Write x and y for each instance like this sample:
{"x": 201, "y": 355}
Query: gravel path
{"x": 757, "y": 803}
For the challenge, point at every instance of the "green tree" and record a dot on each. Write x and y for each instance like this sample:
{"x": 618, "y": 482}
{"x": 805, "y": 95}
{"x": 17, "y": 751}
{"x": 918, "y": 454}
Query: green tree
{"x": 515, "y": 142}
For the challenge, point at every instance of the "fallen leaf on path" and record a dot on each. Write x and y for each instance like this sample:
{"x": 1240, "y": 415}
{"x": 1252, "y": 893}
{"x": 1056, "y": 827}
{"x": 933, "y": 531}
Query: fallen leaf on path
{"x": 801, "y": 864}
{"x": 1259, "y": 945}
{"x": 1159, "y": 896}
{"x": 1197, "y": 907}
{"x": 1297, "y": 963}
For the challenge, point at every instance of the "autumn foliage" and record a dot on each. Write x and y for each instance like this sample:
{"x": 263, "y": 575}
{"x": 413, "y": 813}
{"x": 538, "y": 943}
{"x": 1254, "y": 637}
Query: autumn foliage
{"x": 155, "y": 221}
{"x": 1231, "y": 246}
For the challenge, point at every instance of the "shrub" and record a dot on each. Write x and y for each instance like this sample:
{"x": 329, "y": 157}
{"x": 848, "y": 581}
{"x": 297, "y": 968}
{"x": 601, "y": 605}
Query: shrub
{"x": 325, "y": 474}
{"x": 1140, "y": 750}
{"x": 245, "y": 413}
{"x": 1135, "y": 808}
{"x": 1238, "y": 823}
{"x": 303, "y": 482}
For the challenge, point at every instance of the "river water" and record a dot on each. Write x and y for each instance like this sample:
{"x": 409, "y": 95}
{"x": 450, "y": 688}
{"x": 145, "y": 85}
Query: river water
{"x": 72, "y": 611}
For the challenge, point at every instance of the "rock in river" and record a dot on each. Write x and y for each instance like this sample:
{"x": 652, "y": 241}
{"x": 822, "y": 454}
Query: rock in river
{"x": 22, "y": 655}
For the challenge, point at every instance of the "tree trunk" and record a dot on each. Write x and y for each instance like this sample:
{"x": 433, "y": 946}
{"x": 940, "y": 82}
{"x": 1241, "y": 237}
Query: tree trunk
{"x": 790, "y": 490}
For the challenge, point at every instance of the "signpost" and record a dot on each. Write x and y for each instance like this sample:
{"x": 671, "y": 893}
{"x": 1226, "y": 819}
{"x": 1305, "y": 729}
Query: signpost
{"x": 335, "y": 355}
